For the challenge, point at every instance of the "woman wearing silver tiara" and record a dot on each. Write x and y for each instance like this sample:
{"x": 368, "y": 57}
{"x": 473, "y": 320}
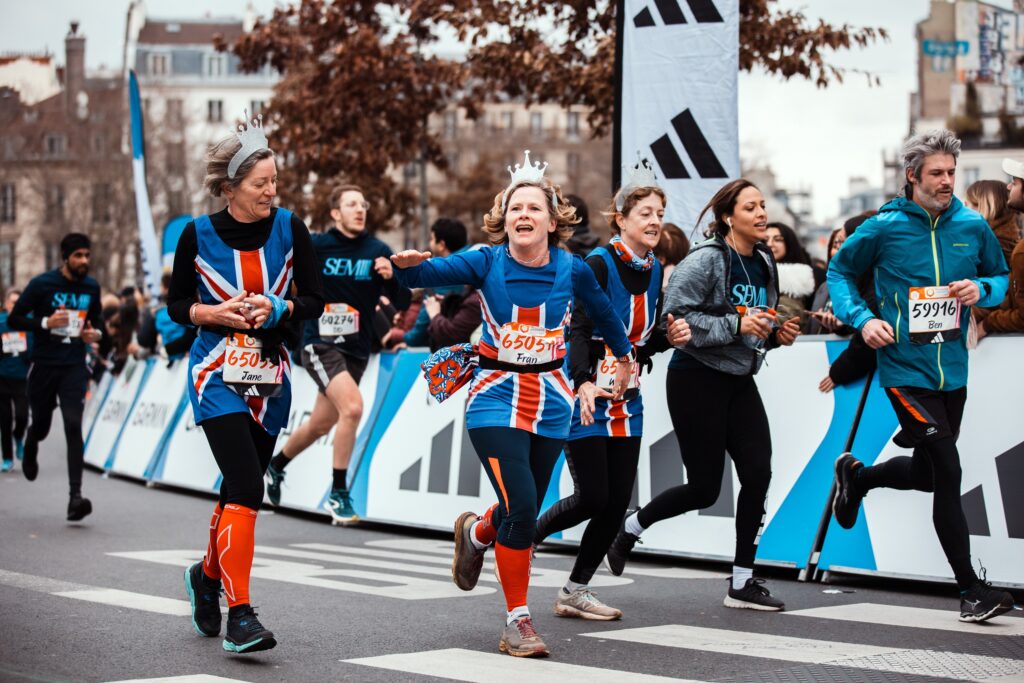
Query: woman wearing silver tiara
{"x": 233, "y": 272}
{"x": 604, "y": 441}
{"x": 520, "y": 403}
{"x": 727, "y": 290}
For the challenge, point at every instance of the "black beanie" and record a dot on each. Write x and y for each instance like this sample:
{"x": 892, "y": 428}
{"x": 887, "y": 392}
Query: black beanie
{"x": 72, "y": 242}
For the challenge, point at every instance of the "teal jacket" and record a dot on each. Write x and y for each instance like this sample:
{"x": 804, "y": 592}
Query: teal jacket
{"x": 905, "y": 248}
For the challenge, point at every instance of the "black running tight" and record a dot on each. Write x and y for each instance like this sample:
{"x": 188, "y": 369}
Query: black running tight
{"x": 13, "y": 414}
{"x": 47, "y": 384}
{"x": 714, "y": 413}
{"x": 242, "y": 450}
{"x": 603, "y": 470}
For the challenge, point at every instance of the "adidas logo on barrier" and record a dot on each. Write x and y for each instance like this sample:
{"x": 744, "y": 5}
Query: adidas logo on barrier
{"x": 696, "y": 146}
{"x": 704, "y": 11}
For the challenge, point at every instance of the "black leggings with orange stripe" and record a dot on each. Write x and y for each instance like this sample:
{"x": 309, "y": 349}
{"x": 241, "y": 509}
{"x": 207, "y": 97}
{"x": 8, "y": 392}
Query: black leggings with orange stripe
{"x": 519, "y": 465}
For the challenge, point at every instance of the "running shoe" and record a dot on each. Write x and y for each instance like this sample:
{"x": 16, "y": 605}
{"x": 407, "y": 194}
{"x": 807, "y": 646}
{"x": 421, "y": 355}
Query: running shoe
{"x": 753, "y": 595}
{"x": 7, "y": 466}
{"x": 846, "y": 504}
{"x": 981, "y": 601}
{"x": 339, "y": 504}
{"x": 468, "y": 561}
{"x": 583, "y": 604}
{"x": 246, "y": 634}
{"x": 620, "y": 548}
{"x": 30, "y": 466}
{"x": 520, "y": 639}
{"x": 78, "y": 508}
{"x": 19, "y": 449}
{"x": 204, "y": 596}
{"x": 274, "y": 478}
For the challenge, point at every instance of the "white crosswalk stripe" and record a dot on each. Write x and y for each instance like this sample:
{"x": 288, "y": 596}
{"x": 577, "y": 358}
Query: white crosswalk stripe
{"x": 195, "y": 678}
{"x": 107, "y": 596}
{"x": 914, "y": 617}
{"x": 468, "y": 665}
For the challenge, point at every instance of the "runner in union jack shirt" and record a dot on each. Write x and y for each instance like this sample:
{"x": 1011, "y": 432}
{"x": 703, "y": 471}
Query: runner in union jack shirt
{"x": 521, "y": 403}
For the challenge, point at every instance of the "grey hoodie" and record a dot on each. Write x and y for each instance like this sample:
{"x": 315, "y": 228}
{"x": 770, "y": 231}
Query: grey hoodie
{"x": 697, "y": 291}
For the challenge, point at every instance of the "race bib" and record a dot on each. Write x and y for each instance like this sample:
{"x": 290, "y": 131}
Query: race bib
{"x": 245, "y": 366}
{"x": 934, "y": 315}
{"x": 76, "y": 323}
{"x": 338, "y": 320}
{"x": 521, "y": 344}
{"x": 606, "y": 372}
{"x": 15, "y": 342}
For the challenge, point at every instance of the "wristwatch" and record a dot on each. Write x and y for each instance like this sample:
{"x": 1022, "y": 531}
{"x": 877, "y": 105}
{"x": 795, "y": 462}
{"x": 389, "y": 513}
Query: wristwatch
{"x": 629, "y": 358}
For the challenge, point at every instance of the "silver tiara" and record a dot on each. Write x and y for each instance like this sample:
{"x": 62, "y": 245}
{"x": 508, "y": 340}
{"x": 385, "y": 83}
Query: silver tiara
{"x": 528, "y": 172}
{"x": 640, "y": 174}
{"x": 253, "y": 139}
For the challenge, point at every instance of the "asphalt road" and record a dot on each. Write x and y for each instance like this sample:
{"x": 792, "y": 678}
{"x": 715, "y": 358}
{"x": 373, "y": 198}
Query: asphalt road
{"x": 103, "y": 601}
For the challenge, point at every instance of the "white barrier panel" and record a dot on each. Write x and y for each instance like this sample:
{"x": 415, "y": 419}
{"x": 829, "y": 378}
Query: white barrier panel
{"x": 110, "y": 420}
{"x": 148, "y": 420}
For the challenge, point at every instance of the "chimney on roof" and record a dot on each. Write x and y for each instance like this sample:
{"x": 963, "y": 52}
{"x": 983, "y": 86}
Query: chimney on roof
{"x": 74, "y": 74}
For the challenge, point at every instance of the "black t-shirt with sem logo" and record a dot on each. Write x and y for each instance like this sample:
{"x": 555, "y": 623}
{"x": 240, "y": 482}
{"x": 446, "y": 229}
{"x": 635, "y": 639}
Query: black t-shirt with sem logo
{"x": 45, "y": 294}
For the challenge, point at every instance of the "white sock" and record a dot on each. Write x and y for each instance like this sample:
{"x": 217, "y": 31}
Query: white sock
{"x": 633, "y": 525}
{"x": 517, "y": 613}
{"x": 571, "y": 586}
{"x": 472, "y": 537}
{"x": 740, "y": 576}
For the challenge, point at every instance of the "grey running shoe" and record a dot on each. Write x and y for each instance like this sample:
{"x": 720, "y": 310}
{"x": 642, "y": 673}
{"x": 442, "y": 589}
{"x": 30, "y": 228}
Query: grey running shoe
{"x": 583, "y": 604}
{"x": 846, "y": 504}
{"x": 753, "y": 595}
{"x": 339, "y": 504}
{"x": 274, "y": 478}
{"x": 520, "y": 639}
{"x": 468, "y": 561}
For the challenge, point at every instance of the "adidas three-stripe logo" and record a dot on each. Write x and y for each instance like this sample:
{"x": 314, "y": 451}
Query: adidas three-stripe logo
{"x": 696, "y": 146}
{"x": 704, "y": 11}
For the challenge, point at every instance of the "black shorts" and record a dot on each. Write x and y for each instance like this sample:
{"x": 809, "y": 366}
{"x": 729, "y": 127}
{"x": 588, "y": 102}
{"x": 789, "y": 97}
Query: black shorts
{"x": 926, "y": 415}
{"x": 324, "y": 362}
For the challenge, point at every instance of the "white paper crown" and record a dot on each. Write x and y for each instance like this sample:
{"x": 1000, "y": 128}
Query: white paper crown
{"x": 640, "y": 174}
{"x": 253, "y": 139}
{"x": 528, "y": 172}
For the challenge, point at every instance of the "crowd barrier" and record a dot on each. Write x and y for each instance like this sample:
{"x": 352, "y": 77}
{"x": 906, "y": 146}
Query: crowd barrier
{"x": 414, "y": 465}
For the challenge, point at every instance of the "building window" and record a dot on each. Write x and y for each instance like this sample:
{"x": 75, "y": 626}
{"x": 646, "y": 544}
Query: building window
{"x": 256, "y": 107}
{"x": 507, "y": 120}
{"x": 56, "y": 145}
{"x": 6, "y": 264}
{"x": 53, "y": 259}
{"x": 8, "y": 203}
{"x": 215, "y": 65}
{"x": 572, "y": 164}
{"x": 453, "y": 161}
{"x": 101, "y": 200}
{"x": 55, "y": 204}
{"x": 536, "y": 124}
{"x": 175, "y": 111}
{"x": 175, "y": 202}
{"x": 99, "y": 144}
{"x": 572, "y": 124}
{"x": 971, "y": 175}
{"x": 176, "y": 158}
{"x": 158, "y": 64}
{"x": 451, "y": 124}
{"x": 215, "y": 111}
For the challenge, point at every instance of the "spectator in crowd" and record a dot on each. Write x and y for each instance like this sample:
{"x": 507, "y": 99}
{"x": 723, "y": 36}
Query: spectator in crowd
{"x": 991, "y": 198}
{"x": 1009, "y": 316}
{"x": 672, "y": 247}
{"x": 820, "y": 319}
{"x": 797, "y": 280}
{"x": 583, "y": 239}
{"x": 175, "y": 339}
{"x": 857, "y": 359}
{"x": 13, "y": 386}
{"x": 447, "y": 236}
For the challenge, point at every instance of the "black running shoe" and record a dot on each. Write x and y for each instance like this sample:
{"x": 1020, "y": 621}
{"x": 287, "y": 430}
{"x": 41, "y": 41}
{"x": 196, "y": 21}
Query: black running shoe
{"x": 246, "y": 634}
{"x": 846, "y": 504}
{"x": 981, "y": 601}
{"x": 30, "y": 465}
{"x": 620, "y": 548}
{"x": 274, "y": 478}
{"x": 78, "y": 507}
{"x": 753, "y": 595}
{"x": 204, "y": 596}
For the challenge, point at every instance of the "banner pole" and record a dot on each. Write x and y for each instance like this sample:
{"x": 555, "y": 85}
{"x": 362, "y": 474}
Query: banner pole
{"x": 620, "y": 33}
{"x": 810, "y": 572}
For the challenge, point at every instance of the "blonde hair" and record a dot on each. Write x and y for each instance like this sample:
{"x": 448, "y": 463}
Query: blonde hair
{"x": 630, "y": 201}
{"x": 565, "y": 216}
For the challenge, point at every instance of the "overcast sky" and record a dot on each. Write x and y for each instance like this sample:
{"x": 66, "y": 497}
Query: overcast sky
{"x": 812, "y": 138}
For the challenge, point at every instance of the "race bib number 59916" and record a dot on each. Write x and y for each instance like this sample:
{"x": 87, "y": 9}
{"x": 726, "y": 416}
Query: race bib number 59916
{"x": 934, "y": 315}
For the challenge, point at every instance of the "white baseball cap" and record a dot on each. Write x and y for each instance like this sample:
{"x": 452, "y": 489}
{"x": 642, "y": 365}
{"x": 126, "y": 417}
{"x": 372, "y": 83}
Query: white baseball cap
{"x": 1013, "y": 168}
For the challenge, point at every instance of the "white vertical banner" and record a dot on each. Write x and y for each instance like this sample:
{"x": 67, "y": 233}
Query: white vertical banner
{"x": 679, "y": 71}
{"x": 151, "y": 268}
